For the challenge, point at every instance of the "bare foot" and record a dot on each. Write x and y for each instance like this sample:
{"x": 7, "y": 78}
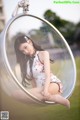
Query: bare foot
{"x": 67, "y": 103}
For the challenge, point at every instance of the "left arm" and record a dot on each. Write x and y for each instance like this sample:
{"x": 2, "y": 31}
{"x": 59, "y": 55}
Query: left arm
{"x": 46, "y": 62}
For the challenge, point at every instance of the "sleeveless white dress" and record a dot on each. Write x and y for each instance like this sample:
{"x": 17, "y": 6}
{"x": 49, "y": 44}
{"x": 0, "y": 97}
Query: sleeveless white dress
{"x": 39, "y": 74}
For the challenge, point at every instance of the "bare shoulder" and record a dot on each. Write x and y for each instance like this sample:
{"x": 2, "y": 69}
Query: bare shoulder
{"x": 44, "y": 53}
{"x": 44, "y": 56}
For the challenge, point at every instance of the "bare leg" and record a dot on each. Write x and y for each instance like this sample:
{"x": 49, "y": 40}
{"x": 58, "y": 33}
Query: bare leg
{"x": 37, "y": 92}
{"x": 59, "y": 99}
{"x": 23, "y": 97}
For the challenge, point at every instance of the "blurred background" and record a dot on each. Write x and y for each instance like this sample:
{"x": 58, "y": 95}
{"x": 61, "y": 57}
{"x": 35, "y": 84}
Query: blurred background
{"x": 66, "y": 18}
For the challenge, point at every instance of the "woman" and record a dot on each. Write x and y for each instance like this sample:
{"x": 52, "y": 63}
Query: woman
{"x": 35, "y": 66}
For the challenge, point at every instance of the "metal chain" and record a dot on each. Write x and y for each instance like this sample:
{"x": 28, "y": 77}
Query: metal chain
{"x": 24, "y": 4}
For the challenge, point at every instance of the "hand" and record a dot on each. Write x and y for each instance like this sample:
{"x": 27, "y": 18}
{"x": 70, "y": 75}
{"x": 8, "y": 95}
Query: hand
{"x": 45, "y": 94}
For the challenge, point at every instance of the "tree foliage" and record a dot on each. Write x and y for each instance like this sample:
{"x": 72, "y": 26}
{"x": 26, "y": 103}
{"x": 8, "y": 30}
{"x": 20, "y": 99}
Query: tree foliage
{"x": 67, "y": 28}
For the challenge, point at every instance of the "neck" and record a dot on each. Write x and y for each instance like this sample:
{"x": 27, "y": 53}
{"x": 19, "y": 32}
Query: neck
{"x": 33, "y": 53}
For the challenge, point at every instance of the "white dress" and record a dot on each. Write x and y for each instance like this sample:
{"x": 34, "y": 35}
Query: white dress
{"x": 39, "y": 74}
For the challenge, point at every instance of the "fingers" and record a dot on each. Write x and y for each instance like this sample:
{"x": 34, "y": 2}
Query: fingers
{"x": 46, "y": 96}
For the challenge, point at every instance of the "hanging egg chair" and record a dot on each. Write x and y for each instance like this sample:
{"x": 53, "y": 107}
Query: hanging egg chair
{"x": 44, "y": 34}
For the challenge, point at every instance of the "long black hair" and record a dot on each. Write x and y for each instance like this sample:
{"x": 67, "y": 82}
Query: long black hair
{"x": 22, "y": 59}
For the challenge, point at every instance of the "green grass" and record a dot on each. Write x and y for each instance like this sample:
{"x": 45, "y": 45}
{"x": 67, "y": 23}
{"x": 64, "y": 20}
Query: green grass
{"x": 20, "y": 111}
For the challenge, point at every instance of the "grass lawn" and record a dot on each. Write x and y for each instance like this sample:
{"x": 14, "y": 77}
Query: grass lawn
{"x": 20, "y": 111}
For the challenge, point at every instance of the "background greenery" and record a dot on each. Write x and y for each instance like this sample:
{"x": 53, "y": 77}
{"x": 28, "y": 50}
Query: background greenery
{"x": 68, "y": 29}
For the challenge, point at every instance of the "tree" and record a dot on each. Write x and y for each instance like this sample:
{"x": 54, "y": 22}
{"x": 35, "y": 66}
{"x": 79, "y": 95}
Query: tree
{"x": 77, "y": 35}
{"x": 65, "y": 27}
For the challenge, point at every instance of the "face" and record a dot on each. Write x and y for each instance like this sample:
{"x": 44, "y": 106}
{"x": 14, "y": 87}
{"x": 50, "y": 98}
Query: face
{"x": 27, "y": 48}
